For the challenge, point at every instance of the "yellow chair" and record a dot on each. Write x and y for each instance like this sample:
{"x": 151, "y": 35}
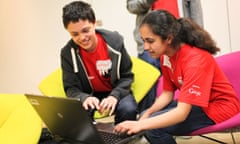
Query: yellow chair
{"x": 19, "y": 123}
{"x": 145, "y": 75}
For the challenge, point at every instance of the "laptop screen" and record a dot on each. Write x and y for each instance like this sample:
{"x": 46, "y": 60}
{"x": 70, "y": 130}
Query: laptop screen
{"x": 65, "y": 118}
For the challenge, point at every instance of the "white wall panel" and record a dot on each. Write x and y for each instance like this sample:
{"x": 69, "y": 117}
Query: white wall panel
{"x": 114, "y": 16}
{"x": 234, "y": 21}
{"x": 215, "y": 17}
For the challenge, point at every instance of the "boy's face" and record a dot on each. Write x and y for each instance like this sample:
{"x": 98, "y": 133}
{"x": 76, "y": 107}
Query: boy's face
{"x": 83, "y": 34}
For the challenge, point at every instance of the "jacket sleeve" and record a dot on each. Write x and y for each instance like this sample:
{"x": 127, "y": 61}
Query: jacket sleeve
{"x": 72, "y": 85}
{"x": 122, "y": 86}
{"x": 193, "y": 10}
{"x": 139, "y": 6}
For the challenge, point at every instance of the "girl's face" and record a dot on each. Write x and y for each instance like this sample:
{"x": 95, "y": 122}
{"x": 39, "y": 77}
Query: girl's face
{"x": 154, "y": 44}
{"x": 83, "y": 34}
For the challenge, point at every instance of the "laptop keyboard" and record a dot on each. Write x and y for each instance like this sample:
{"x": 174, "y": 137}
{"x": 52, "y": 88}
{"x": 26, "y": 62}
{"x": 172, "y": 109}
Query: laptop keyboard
{"x": 111, "y": 138}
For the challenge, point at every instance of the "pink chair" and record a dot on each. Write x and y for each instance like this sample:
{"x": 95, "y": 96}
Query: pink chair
{"x": 229, "y": 63}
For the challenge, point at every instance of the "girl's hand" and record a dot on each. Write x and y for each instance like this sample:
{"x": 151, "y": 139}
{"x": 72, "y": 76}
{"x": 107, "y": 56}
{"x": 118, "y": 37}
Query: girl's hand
{"x": 128, "y": 127}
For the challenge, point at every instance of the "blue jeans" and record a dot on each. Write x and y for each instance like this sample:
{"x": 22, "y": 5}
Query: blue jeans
{"x": 196, "y": 119}
{"x": 150, "y": 97}
{"x": 126, "y": 108}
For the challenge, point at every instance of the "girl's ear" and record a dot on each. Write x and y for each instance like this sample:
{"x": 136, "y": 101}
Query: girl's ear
{"x": 169, "y": 39}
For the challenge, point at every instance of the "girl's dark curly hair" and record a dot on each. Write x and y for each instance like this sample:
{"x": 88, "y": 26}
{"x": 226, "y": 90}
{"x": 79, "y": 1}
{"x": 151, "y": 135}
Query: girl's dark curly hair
{"x": 183, "y": 30}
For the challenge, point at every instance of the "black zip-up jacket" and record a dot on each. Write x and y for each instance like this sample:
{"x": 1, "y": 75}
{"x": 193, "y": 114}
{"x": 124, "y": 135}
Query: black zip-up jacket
{"x": 75, "y": 77}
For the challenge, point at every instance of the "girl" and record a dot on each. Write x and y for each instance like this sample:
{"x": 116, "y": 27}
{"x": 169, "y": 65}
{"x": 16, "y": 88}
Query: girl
{"x": 206, "y": 96}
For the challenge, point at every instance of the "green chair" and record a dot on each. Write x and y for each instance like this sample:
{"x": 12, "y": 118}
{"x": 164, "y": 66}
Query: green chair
{"x": 145, "y": 76}
{"x": 19, "y": 123}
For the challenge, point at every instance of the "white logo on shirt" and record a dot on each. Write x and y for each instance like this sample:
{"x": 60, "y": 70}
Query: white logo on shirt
{"x": 194, "y": 90}
{"x": 104, "y": 66}
{"x": 180, "y": 80}
{"x": 166, "y": 61}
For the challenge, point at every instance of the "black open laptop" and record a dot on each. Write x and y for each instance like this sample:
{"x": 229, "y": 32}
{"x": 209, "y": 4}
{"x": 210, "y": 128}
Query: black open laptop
{"x": 68, "y": 121}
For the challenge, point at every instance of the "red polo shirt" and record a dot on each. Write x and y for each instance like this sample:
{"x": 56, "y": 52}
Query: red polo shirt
{"x": 201, "y": 82}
